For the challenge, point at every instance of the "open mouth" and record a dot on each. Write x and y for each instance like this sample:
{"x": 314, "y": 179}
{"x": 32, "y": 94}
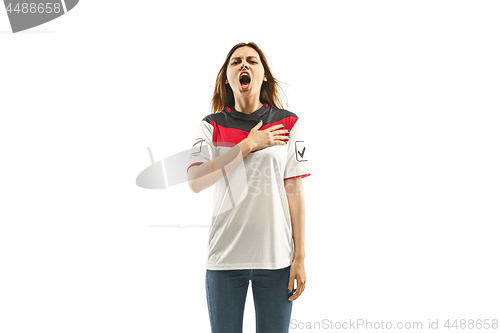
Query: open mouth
{"x": 245, "y": 81}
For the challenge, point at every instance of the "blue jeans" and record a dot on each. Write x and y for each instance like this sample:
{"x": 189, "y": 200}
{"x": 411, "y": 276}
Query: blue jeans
{"x": 227, "y": 292}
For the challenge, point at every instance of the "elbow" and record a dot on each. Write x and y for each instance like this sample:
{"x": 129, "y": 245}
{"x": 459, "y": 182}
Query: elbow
{"x": 192, "y": 182}
{"x": 193, "y": 186}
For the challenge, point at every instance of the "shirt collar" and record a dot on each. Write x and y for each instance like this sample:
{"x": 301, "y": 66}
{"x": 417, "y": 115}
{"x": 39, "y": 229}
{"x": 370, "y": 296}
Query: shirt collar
{"x": 244, "y": 116}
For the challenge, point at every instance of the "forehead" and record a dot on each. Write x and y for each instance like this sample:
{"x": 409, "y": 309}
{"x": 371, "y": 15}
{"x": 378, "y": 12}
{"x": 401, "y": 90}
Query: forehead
{"x": 245, "y": 51}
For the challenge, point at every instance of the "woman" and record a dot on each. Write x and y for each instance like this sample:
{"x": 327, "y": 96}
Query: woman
{"x": 257, "y": 230}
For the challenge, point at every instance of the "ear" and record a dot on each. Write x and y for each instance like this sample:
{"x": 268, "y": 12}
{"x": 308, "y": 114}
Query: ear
{"x": 265, "y": 78}
{"x": 227, "y": 81}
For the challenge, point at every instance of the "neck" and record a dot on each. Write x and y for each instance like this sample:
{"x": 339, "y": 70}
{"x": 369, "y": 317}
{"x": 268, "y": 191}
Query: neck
{"x": 247, "y": 105}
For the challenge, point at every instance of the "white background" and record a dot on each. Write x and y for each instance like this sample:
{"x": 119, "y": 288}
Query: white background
{"x": 400, "y": 108}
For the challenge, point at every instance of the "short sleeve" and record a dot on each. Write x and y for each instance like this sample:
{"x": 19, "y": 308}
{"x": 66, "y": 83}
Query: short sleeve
{"x": 297, "y": 164}
{"x": 202, "y": 150}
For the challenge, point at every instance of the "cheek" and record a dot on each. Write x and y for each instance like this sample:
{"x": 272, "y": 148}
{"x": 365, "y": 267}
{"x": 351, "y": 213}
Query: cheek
{"x": 261, "y": 74}
{"x": 231, "y": 76}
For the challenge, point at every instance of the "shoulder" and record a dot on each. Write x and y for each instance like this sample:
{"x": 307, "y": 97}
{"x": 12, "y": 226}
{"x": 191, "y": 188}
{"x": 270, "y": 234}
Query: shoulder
{"x": 284, "y": 113}
{"x": 213, "y": 117}
{"x": 285, "y": 116}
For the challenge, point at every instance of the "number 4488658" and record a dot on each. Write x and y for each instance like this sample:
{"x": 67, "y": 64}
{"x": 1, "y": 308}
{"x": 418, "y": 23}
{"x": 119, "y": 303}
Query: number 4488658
{"x": 472, "y": 324}
{"x": 32, "y": 8}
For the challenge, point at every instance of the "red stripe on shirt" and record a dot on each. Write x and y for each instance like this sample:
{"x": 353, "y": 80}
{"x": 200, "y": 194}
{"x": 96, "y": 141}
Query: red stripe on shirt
{"x": 302, "y": 176}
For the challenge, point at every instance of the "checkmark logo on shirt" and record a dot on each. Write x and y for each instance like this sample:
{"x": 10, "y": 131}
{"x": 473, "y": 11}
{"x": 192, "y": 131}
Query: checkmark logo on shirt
{"x": 303, "y": 151}
{"x": 196, "y": 150}
{"x": 300, "y": 151}
{"x": 198, "y": 141}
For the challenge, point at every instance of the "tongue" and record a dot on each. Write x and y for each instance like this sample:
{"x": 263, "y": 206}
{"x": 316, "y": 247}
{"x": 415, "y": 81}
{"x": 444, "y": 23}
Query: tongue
{"x": 245, "y": 82}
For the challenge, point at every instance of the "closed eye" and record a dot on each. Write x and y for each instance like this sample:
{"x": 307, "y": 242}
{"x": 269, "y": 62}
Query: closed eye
{"x": 235, "y": 62}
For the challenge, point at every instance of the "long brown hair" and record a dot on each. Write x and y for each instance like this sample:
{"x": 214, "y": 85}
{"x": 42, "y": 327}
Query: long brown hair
{"x": 223, "y": 94}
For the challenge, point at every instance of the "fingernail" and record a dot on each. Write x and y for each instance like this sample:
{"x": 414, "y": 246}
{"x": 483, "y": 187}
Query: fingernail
{"x": 289, "y": 291}
{"x": 260, "y": 121}
{"x": 282, "y": 124}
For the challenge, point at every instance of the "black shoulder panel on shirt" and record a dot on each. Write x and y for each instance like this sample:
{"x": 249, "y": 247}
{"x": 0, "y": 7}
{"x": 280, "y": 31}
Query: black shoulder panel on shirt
{"x": 278, "y": 114}
{"x": 274, "y": 115}
{"x": 217, "y": 117}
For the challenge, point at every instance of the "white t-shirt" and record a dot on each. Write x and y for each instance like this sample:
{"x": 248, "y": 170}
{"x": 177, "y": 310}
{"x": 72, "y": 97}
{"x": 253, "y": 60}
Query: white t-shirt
{"x": 251, "y": 226}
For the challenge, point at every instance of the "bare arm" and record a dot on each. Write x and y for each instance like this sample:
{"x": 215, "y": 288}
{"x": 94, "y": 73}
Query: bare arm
{"x": 201, "y": 176}
{"x": 295, "y": 197}
{"x": 296, "y": 203}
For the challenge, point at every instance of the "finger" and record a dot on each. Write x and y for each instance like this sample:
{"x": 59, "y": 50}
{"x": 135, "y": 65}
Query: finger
{"x": 281, "y": 137}
{"x": 295, "y": 296}
{"x": 275, "y": 127}
{"x": 259, "y": 124}
{"x": 290, "y": 286}
{"x": 281, "y": 140}
{"x": 282, "y": 132}
{"x": 278, "y": 142}
{"x": 299, "y": 291}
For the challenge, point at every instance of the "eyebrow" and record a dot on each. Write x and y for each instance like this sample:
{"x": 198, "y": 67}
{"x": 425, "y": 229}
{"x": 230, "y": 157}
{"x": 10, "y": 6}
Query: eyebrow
{"x": 242, "y": 57}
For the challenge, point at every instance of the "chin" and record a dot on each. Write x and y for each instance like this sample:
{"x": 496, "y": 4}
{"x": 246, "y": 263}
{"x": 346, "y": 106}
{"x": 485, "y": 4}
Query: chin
{"x": 246, "y": 93}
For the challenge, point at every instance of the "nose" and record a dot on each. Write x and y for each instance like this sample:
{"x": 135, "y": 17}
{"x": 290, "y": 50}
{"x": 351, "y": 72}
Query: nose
{"x": 243, "y": 64}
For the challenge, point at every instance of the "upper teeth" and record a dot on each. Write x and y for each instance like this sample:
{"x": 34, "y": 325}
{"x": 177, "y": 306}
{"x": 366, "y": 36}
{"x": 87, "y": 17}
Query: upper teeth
{"x": 244, "y": 74}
